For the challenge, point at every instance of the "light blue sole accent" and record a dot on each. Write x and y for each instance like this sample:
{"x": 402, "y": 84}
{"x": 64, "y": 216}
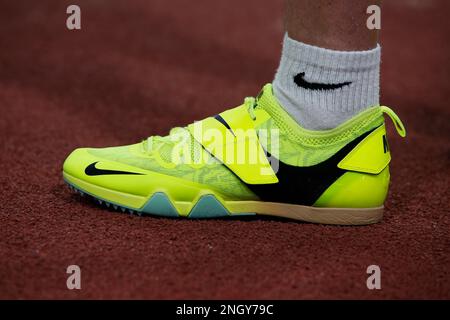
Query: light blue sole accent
{"x": 159, "y": 204}
{"x": 208, "y": 207}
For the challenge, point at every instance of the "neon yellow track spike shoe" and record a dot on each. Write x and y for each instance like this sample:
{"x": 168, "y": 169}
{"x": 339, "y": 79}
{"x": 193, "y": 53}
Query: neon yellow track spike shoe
{"x": 253, "y": 159}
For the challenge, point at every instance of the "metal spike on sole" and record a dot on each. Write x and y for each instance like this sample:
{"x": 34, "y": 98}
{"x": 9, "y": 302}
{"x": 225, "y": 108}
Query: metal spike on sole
{"x": 130, "y": 211}
{"x": 115, "y": 207}
{"x": 123, "y": 209}
{"x": 100, "y": 201}
{"x": 107, "y": 204}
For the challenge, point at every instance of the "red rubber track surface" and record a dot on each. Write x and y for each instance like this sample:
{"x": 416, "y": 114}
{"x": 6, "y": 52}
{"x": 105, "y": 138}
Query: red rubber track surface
{"x": 138, "y": 68}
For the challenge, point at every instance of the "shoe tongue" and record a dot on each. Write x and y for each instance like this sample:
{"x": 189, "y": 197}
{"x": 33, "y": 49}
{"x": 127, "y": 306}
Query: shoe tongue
{"x": 278, "y": 116}
{"x": 267, "y": 101}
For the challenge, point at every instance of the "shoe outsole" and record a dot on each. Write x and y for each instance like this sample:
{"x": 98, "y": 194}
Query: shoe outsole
{"x": 159, "y": 204}
{"x": 208, "y": 206}
{"x": 101, "y": 202}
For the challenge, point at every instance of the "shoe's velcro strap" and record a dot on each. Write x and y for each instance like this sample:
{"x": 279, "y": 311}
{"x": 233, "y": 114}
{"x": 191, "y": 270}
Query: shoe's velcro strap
{"x": 371, "y": 155}
{"x": 232, "y": 139}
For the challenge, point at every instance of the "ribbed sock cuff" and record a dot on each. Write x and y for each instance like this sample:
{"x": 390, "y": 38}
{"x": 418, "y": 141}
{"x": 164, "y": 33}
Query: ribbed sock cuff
{"x": 332, "y": 59}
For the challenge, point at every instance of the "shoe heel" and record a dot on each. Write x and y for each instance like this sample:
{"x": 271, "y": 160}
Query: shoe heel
{"x": 356, "y": 190}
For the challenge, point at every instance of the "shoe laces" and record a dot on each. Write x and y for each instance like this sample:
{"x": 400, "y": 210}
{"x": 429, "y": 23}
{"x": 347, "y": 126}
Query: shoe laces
{"x": 150, "y": 144}
{"x": 251, "y": 104}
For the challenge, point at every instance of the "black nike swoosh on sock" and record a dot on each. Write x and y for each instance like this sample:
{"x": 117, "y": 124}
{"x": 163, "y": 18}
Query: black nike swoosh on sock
{"x": 299, "y": 80}
{"x": 91, "y": 170}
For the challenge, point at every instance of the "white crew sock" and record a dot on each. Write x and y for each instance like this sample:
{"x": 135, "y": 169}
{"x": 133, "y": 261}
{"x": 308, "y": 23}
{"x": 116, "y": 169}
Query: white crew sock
{"x": 330, "y": 86}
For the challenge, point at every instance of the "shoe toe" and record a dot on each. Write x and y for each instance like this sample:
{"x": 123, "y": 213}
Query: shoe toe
{"x": 76, "y": 162}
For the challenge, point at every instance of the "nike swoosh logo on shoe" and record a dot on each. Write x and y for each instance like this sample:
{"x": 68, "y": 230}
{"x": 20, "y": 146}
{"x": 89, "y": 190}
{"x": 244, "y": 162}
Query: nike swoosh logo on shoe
{"x": 92, "y": 170}
{"x": 299, "y": 80}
